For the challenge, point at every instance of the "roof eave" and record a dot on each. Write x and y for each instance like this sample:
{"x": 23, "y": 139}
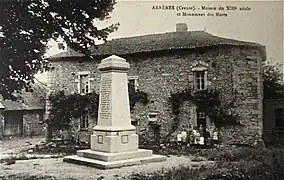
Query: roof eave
{"x": 261, "y": 48}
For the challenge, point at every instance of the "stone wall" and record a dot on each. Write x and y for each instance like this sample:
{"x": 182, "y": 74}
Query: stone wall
{"x": 22, "y": 123}
{"x": 33, "y": 123}
{"x": 64, "y": 75}
{"x": 82, "y": 135}
{"x": 160, "y": 74}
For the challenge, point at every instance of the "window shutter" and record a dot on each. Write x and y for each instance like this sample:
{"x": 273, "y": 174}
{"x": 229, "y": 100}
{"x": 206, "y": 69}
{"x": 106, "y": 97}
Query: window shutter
{"x": 191, "y": 80}
{"x": 205, "y": 79}
{"x": 78, "y": 84}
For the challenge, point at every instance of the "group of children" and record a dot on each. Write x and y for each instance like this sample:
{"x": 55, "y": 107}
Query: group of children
{"x": 198, "y": 136}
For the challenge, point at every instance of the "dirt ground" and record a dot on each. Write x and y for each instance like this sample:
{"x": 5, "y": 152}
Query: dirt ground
{"x": 17, "y": 144}
{"x": 61, "y": 170}
{"x": 49, "y": 168}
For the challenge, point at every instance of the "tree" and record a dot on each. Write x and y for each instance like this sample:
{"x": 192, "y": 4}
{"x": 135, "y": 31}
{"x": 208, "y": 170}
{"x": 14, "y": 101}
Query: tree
{"x": 273, "y": 86}
{"x": 27, "y": 26}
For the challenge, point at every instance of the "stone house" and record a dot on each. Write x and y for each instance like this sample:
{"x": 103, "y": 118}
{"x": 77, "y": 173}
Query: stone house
{"x": 163, "y": 64}
{"x": 23, "y": 117}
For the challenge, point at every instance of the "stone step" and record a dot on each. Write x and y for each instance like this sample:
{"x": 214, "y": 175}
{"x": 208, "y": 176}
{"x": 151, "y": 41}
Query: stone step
{"x": 114, "y": 164}
{"x": 109, "y": 157}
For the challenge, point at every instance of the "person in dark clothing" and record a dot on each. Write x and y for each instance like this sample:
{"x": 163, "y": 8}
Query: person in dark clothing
{"x": 207, "y": 137}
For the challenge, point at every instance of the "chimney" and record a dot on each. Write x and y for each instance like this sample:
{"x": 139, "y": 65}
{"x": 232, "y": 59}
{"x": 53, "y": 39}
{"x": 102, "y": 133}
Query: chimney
{"x": 181, "y": 27}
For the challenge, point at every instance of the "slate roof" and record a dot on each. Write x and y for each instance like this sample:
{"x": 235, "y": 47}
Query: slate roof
{"x": 29, "y": 100}
{"x": 158, "y": 42}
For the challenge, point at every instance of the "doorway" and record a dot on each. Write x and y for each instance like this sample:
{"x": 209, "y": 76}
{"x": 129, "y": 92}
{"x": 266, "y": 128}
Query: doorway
{"x": 201, "y": 119}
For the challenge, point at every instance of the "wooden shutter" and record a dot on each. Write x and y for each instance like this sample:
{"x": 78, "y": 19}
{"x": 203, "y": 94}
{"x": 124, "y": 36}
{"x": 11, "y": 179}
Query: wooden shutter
{"x": 205, "y": 79}
{"x": 191, "y": 80}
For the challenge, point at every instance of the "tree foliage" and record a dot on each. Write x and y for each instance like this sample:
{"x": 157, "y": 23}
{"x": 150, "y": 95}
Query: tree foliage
{"x": 65, "y": 107}
{"x": 27, "y": 26}
{"x": 273, "y": 86}
{"x": 207, "y": 101}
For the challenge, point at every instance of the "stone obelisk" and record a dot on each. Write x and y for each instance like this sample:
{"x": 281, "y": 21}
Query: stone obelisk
{"x": 114, "y": 132}
{"x": 114, "y": 142}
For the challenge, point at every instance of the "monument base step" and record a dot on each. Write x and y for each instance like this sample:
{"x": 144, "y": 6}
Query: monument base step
{"x": 109, "y": 157}
{"x": 113, "y": 164}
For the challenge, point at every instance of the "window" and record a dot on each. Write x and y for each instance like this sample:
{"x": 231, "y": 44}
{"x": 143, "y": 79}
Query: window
{"x": 199, "y": 80}
{"x": 198, "y": 75}
{"x": 279, "y": 117}
{"x": 153, "y": 116}
{"x": 84, "y": 121}
{"x": 133, "y": 83}
{"x": 84, "y": 82}
{"x": 201, "y": 119}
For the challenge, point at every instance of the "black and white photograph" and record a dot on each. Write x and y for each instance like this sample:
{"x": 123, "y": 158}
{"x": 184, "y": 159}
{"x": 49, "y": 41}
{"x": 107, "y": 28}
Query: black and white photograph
{"x": 141, "y": 90}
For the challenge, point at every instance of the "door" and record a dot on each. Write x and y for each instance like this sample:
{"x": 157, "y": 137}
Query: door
{"x": 13, "y": 124}
{"x": 201, "y": 119}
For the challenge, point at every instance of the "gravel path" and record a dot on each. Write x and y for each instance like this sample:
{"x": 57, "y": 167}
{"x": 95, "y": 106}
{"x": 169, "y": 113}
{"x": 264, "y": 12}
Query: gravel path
{"x": 61, "y": 170}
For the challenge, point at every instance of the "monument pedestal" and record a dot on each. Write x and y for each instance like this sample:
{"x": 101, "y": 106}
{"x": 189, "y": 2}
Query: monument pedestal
{"x": 114, "y": 142}
{"x": 104, "y": 160}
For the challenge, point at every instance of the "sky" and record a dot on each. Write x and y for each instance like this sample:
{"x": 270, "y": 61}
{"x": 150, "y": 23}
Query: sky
{"x": 263, "y": 23}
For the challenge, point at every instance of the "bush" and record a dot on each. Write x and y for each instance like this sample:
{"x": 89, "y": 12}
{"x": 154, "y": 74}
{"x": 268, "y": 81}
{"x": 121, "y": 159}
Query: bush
{"x": 236, "y": 154}
{"x": 231, "y": 164}
{"x": 179, "y": 173}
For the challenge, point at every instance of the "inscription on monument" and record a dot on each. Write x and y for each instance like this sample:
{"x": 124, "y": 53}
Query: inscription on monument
{"x": 105, "y": 97}
{"x": 100, "y": 139}
{"x": 124, "y": 139}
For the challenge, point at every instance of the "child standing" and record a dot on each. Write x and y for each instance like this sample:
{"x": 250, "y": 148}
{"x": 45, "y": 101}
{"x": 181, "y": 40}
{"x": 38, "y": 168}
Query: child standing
{"x": 183, "y": 137}
{"x": 196, "y": 135}
{"x": 179, "y": 138}
{"x": 215, "y": 137}
{"x": 201, "y": 131}
{"x": 207, "y": 137}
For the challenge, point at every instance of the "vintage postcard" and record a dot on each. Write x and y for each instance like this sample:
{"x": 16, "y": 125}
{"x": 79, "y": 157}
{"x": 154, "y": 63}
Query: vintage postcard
{"x": 141, "y": 89}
